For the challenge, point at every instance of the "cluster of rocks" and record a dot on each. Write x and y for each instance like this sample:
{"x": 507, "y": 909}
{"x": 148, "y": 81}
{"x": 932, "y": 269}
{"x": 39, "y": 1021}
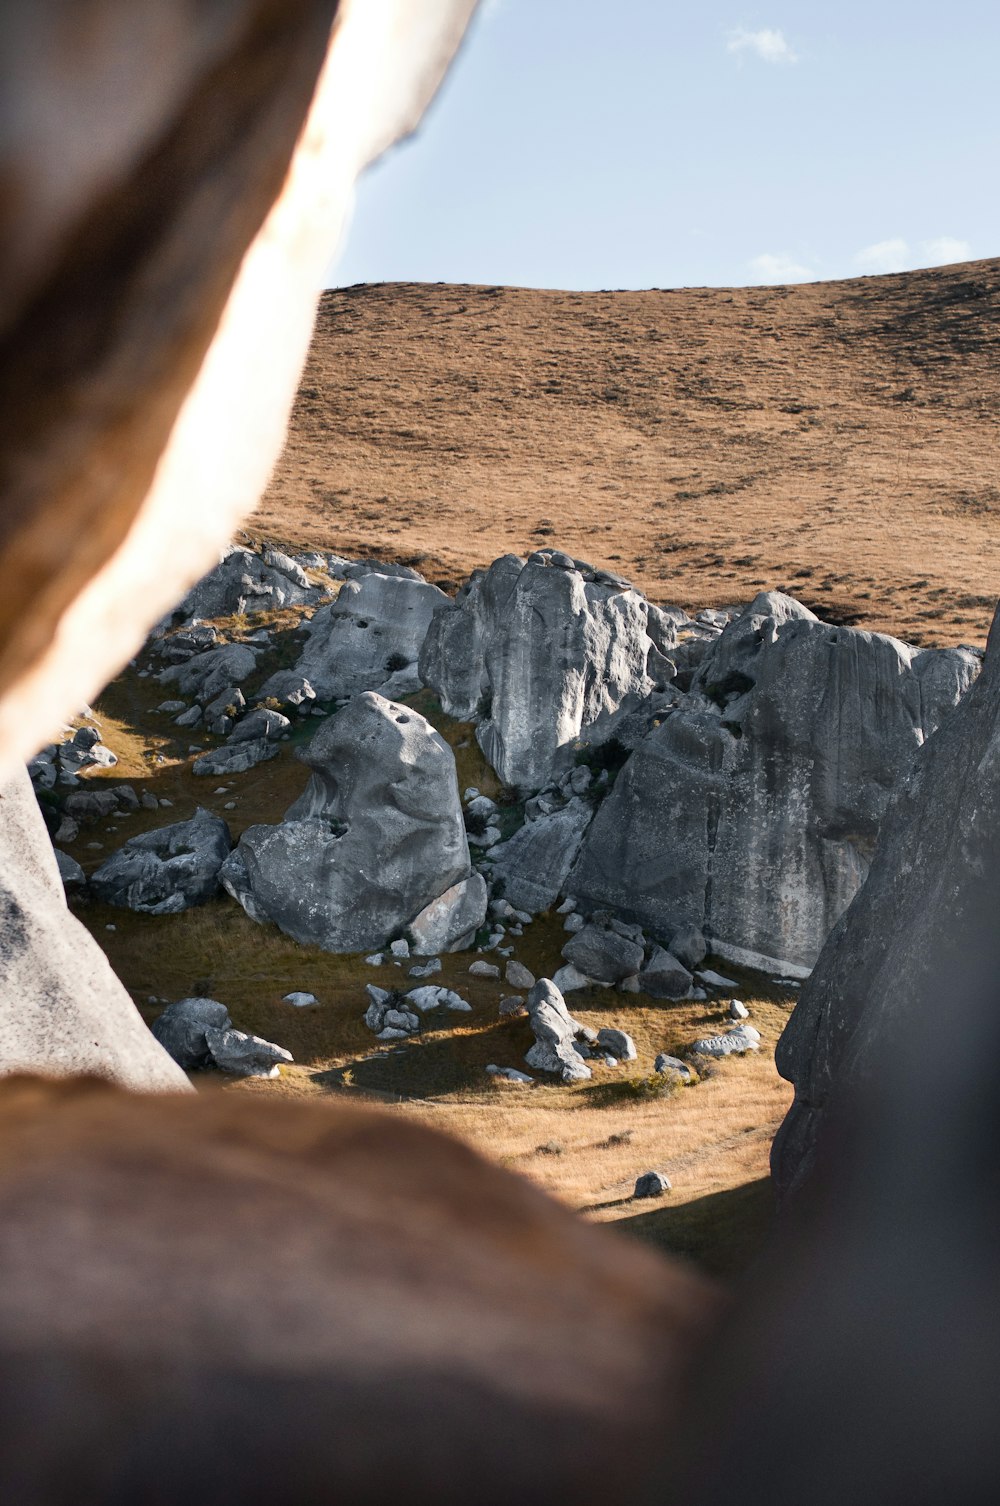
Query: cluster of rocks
{"x": 167, "y": 870}
{"x": 63, "y": 763}
{"x": 393, "y": 1014}
{"x": 198, "y": 1033}
{"x": 247, "y": 581}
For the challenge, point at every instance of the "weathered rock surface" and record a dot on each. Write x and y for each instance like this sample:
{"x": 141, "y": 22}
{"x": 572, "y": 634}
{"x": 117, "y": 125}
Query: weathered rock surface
{"x": 288, "y": 687}
{"x": 243, "y": 1055}
{"x": 244, "y": 581}
{"x": 652, "y": 1184}
{"x": 167, "y": 870}
{"x": 925, "y": 914}
{"x": 450, "y": 922}
{"x": 211, "y": 673}
{"x": 70, "y": 872}
{"x": 751, "y": 812}
{"x": 375, "y": 839}
{"x": 603, "y": 955}
{"x": 556, "y": 1032}
{"x": 618, "y": 1042}
{"x": 62, "y": 1010}
{"x": 735, "y": 1042}
{"x": 181, "y": 1028}
{"x": 375, "y": 627}
{"x": 547, "y": 652}
{"x": 530, "y": 869}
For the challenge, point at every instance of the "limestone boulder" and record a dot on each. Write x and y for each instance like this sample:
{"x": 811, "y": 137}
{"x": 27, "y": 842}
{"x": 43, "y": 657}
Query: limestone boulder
{"x": 374, "y": 841}
{"x": 165, "y": 871}
{"x": 62, "y": 1010}
{"x": 926, "y": 913}
{"x": 603, "y": 955}
{"x": 556, "y": 1034}
{"x": 450, "y": 922}
{"x": 751, "y": 812}
{"x": 547, "y": 653}
{"x": 375, "y": 627}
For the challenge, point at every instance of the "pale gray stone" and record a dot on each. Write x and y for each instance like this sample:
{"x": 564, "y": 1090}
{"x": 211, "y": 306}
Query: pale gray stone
{"x": 618, "y": 1042}
{"x": 243, "y": 1055}
{"x": 212, "y": 673}
{"x": 652, "y": 1184}
{"x": 511, "y": 1074}
{"x": 374, "y": 840}
{"x": 751, "y": 812}
{"x": 518, "y": 976}
{"x": 484, "y": 970}
{"x": 603, "y": 955}
{"x": 450, "y": 922}
{"x": 738, "y": 1041}
{"x": 556, "y": 1034}
{"x": 243, "y": 581}
{"x": 261, "y": 723}
{"x": 546, "y": 653}
{"x": 926, "y": 917}
{"x": 375, "y": 625}
{"x": 672, "y": 1066}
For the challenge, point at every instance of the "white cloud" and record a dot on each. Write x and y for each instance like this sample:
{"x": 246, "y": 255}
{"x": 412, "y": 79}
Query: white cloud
{"x": 768, "y": 44}
{"x": 943, "y": 250}
{"x": 885, "y": 256}
{"x": 771, "y": 268}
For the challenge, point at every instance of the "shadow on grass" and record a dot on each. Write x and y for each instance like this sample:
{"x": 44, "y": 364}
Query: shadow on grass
{"x": 429, "y": 1065}
{"x": 723, "y": 1232}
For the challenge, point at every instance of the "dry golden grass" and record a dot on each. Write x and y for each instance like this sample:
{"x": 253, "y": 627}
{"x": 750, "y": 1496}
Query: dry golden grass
{"x": 837, "y": 439}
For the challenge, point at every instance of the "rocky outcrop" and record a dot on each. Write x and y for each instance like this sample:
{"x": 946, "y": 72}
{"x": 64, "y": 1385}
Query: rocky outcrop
{"x": 376, "y": 841}
{"x": 547, "y": 653}
{"x": 751, "y": 811}
{"x": 372, "y": 631}
{"x": 62, "y": 1010}
{"x": 925, "y": 915}
{"x": 244, "y": 581}
{"x": 165, "y": 871}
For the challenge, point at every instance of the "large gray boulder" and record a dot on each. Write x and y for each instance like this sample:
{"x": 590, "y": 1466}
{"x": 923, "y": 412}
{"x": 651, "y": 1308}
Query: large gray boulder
{"x": 603, "y": 955}
{"x": 926, "y": 911}
{"x": 244, "y": 581}
{"x": 181, "y": 1028}
{"x": 376, "y": 838}
{"x": 547, "y": 653}
{"x": 530, "y": 869}
{"x": 375, "y": 627}
{"x": 165, "y": 871}
{"x": 556, "y": 1034}
{"x": 211, "y": 673}
{"x": 62, "y": 1010}
{"x": 752, "y": 810}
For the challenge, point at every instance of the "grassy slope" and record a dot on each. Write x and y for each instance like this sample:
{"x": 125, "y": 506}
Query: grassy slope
{"x": 839, "y": 439}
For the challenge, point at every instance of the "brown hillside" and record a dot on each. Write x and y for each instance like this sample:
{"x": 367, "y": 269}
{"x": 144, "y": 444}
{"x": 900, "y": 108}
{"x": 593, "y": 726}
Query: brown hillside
{"x": 837, "y": 439}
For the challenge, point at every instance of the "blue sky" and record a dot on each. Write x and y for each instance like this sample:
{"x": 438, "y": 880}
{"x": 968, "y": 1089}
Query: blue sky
{"x": 646, "y": 143}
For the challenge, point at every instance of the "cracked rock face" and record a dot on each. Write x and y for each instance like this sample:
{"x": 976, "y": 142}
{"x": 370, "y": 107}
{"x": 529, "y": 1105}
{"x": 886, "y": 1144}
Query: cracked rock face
{"x": 374, "y": 842}
{"x": 751, "y": 812}
{"x": 546, "y": 653}
{"x": 926, "y": 915}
